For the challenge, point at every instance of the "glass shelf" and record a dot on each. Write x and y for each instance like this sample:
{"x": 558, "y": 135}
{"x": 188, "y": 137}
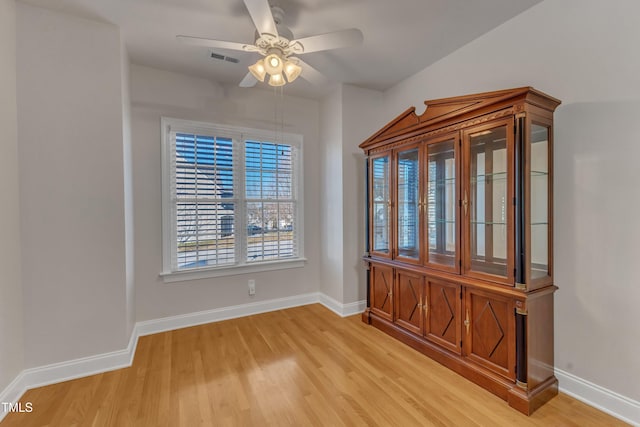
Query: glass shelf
{"x": 442, "y": 181}
{"x": 539, "y": 173}
{"x": 436, "y": 186}
{"x": 498, "y": 176}
{"x": 442, "y": 221}
{"x": 488, "y": 223}
{"x": 539, "y": 223}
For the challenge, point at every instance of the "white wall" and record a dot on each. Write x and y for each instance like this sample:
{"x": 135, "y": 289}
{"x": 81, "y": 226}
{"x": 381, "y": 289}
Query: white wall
{"x": 70, "y": 135}
{"x": 11, "y": 325}
{"x": 127, "y": 163}
{"x": 157, "y": 93}
{"x": 349, "y": 115}
{"x": 361, "y": 117}
{"x": 331, "y": 258}
{"x": 584, "y": 53}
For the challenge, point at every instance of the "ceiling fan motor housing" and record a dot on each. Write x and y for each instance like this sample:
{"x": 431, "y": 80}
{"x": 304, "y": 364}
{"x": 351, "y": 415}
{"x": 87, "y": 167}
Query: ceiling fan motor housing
{"x": 266, "y": 42}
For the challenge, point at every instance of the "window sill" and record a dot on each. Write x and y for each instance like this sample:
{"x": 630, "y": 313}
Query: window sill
{"x": 205, "y": 273}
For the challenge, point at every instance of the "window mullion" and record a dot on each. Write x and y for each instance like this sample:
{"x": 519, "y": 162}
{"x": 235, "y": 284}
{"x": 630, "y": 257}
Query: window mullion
{"x": 241, "y": 217}
{"x": 197, "y": 205}
{"x": 170, "y": 193}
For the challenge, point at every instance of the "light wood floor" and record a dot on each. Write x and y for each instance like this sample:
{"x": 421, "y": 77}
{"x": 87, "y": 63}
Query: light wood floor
{"x": 301, "y": 366}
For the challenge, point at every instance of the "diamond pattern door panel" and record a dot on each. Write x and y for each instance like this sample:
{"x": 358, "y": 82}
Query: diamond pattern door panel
{"x": 381, "y": 291}
{"x": 490, "y": 330}
{"x": 443, "y": 315}
{"x": 408, "y": 299}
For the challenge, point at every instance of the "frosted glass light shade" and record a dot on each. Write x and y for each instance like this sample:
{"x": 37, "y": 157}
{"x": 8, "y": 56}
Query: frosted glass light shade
{"x": 292, "y": 70}
{"x": 276, "y": 80}
{"x": 258, "y": 70}
{"x": 273, "y": 64}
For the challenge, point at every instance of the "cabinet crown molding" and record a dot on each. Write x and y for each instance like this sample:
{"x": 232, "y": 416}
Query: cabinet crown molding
{"x": 448, "y": 111}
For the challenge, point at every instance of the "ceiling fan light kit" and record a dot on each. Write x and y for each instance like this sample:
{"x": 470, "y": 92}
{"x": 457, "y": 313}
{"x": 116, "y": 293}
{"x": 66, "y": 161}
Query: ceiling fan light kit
{"x": 276, "y": 80}
{"x": 273, "y": 64}
{"x": 276, "y": 44}
{"x": 258, "y": 70}
{"x": 292, "y": 71}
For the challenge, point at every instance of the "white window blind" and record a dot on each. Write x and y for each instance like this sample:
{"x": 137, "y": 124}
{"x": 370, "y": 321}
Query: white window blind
{"x": 231, "y": 197}
{"x": 271, "y": 204}
{"x": 203, "y": 200}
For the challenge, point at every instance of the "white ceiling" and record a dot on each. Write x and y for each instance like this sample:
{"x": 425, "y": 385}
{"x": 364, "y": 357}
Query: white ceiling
{"x": 401, "y": 37}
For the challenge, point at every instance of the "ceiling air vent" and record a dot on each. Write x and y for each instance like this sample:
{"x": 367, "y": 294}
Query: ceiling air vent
{"x": 223, "y": 57}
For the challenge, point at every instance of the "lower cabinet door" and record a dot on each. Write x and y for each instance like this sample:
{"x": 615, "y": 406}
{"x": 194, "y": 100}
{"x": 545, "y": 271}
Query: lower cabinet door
{"x": 489, "y": 328}
{"x": 408, "y": 301}
{"x": 443, "y": 305}
{"x": 381, "y": 291}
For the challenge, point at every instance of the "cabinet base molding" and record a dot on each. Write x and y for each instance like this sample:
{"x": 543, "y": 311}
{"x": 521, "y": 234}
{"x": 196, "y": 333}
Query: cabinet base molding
{"x": 525, "y": 401}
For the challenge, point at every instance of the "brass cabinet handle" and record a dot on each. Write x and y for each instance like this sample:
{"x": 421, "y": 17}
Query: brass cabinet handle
{"x": 466, "y": 322}
{"x": 465, "y": 202}
{"x": 426, "y": 306}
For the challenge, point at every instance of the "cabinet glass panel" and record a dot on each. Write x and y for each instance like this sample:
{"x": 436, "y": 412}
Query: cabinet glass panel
{"x": 380, "y": 204}
{"x": 539, "y": 155}
{"x": 441, "y": 203}
{"x": 488, "y": 201}
{"x": 408, "y": 198}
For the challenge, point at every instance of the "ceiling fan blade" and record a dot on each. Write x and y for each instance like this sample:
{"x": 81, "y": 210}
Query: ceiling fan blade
{"x": 261, "y": 15}
{"x": 197, "y": 41}
{"x": 311, "y": 75}
{"x": 248, "y": 81}
{"x": 328, "y": 41}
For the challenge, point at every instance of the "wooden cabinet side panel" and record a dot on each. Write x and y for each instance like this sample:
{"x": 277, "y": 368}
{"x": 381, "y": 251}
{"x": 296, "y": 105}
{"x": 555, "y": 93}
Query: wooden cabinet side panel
{"x": 539, "y": 340}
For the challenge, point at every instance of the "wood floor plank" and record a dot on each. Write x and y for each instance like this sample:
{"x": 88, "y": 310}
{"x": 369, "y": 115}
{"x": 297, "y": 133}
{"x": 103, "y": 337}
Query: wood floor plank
{"x": 302, "y": 366}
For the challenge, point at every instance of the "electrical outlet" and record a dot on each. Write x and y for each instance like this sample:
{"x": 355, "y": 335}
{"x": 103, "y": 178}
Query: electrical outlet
{"x": 252, "y": 287}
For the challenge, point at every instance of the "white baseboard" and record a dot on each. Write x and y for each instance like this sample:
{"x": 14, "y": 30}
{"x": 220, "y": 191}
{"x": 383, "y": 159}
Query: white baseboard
{"x": 68, "y": 370}
{"x": 342, "y": 310}
{"x": 621, "y": 407}
{"x": 164, "y": 324}
{"x": 12, "y": 392}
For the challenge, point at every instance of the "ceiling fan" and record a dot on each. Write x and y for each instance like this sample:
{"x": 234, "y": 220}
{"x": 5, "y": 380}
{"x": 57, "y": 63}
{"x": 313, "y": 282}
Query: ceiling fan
{"x": 275, "y": 42}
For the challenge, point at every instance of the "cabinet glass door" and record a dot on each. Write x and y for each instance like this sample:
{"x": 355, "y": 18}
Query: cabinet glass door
{"x": 539, "y": 249}
{"x": 441, "y": 204}
{"x": 380, "y": 204}
{"x": 408, "y": 204}
{"x": 488, "y": 201}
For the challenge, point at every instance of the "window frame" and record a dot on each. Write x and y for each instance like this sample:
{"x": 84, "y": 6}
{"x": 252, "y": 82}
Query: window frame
{"x": 239, "y": 137}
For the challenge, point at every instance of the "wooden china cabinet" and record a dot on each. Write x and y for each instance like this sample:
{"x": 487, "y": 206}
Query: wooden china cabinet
{"x": 459, "y": 242}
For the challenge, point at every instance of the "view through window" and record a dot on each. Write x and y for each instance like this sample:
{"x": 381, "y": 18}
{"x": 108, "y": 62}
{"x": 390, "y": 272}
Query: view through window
{"x": 233, "y": 197}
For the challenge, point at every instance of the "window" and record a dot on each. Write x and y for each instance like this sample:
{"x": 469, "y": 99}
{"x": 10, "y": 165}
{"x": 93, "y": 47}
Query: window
{"x": 231, "y": 200}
